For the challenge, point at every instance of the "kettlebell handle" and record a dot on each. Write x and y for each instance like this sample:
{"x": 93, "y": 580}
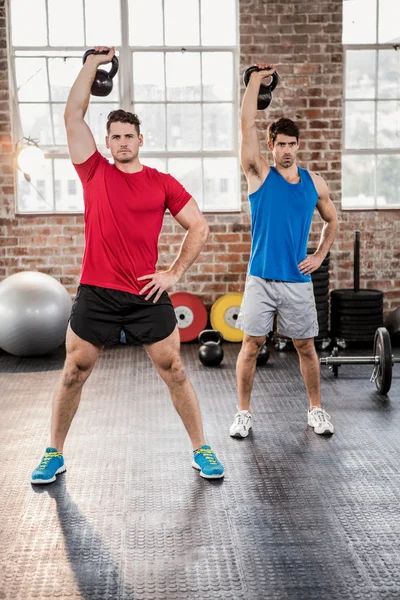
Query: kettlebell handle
{"x": 274, "y": 78}
{"x": 210, "y": 335}
{"x": 114, "y": 61}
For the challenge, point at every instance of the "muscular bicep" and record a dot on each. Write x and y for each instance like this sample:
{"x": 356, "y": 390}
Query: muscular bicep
{"x": 80, "y": 139}
{"x": 325, "y": 206}
{"x": 250, "y": 155}
{"x": 191, "y": 215}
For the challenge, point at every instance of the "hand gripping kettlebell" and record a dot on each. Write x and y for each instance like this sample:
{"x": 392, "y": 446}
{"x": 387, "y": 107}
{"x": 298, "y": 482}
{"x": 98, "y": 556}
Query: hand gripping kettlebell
{"x": 102, "y": 84}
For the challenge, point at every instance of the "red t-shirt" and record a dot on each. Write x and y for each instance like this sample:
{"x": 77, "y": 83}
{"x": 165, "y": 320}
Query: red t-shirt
{"x": 123, "y": 218}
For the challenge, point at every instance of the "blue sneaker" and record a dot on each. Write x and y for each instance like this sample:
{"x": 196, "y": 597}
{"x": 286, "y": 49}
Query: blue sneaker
{"x": 51, "y": 465}
{"x": 205, "y": 461}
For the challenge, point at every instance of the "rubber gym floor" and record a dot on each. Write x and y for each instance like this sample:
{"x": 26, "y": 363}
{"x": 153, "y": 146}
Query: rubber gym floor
{"x": 297, "y": 516}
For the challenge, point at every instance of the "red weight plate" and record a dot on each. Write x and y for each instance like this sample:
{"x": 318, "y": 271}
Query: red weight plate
{"x": 191, "y": 315}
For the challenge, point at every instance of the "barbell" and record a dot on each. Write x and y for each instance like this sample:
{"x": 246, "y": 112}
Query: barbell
{"x": 382, "y": 359}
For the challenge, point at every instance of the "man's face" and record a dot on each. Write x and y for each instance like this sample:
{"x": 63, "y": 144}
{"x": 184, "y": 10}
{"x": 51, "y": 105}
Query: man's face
{"x": 284, "y": 150}
{"x": 124, "y": 142}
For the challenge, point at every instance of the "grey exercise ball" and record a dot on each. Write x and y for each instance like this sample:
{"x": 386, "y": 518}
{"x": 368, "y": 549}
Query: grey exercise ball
{"x": 34, "y": 313}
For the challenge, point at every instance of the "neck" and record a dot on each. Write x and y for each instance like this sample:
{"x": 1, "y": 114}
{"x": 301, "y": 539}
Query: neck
{"x": 290, "y": 174}
{"x": 133, "y": 166}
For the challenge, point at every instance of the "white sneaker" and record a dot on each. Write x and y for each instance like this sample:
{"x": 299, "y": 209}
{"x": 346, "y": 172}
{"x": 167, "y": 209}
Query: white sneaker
{"x": 319, "y": 419}
{"x": 241, "y": 425}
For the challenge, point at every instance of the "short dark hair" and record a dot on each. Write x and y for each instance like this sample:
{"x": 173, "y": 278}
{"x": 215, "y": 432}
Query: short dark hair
{"x": 284, "y": 126}
{"x": 122, "y": 116}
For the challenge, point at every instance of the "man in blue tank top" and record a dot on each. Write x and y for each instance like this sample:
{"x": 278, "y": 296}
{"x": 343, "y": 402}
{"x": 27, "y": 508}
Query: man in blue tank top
{"x": 282, "y": 201}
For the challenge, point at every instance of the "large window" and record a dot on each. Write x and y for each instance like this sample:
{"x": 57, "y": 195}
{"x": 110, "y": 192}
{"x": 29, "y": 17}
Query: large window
{"x": 371, "y": 137}
{"x": 178, "y": 65}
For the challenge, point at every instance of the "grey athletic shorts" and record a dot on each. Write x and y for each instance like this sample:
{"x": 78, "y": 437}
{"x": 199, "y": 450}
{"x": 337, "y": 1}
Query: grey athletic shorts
{"x": 293, "y": 302}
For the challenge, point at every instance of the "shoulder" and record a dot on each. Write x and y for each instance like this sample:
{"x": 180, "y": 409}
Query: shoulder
{"x": 319, "y": 183}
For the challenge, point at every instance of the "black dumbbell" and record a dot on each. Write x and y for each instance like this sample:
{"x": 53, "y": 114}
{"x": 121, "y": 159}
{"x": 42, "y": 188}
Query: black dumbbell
{"x": 211, "y": 352}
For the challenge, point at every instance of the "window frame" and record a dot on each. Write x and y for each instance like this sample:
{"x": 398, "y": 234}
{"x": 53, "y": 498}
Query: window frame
{"x": 127, "y": 101}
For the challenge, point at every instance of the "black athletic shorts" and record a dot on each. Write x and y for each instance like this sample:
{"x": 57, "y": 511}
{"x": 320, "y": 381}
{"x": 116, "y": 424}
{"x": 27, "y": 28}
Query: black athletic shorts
{"x": 100, "y": 314}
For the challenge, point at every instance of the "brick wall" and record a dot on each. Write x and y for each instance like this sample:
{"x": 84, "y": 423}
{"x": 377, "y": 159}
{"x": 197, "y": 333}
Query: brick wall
{"x": 303, "y": 38}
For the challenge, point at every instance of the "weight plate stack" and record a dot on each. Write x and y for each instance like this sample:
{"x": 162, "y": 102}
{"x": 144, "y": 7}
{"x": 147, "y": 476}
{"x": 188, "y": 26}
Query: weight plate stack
{"x": 320, "y": 279}
{"x": 355, "y": 316}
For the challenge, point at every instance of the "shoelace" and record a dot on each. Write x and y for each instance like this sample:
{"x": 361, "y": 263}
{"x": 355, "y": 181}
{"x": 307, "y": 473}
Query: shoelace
{"x": 47, "y": 458}
{"x": 240, "y": 418}
{"x": 208, "y": 455}
{"x": 322, "y": 415}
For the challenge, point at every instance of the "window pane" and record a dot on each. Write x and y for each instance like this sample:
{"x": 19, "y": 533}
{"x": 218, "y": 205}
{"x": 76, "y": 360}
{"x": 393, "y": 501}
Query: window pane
{"x": 218, "y": 22}
{"x": 31, "y": 78}
{"x": 152, "y": 117}
{"x": 217, "y": 127}
{"x": 388, "y": 124}
{"x": 184, "y": 131}
{"x": 389, "y": 17}
{"x": 70, "y": 197}
{"x": 148, "y": 76}
{"x": 188, "y": 172}
{"x": 65, "y": 23}
{"x": 145, "y": 23}
{"x": 60, "y": 135}
{"x": 221, "y": 184}
{"x": 359, "y": 127}
{"x": 181, "y": 23}
{"x": 62, "y": 76}
{"x": 389, "y": 74}
{"x": 358, "y": 181}
{"x": 25, "y": 13}
{"x": 360, "y": 73}
{"x": 36, "y": 123}
{"x": 388, "y": 180}
{"x": 155, "y": 163}
{"x": 103, "y": 22}
{"x": 97, "y": 120}
{"x": 359, "y": 22}
{"x": 217, "y": 75}
{"x": 36, "y": 196}
{"x": 183, "y": 76}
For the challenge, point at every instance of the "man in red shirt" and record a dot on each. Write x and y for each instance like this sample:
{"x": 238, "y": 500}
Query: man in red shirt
{"x": 120, "y": 288}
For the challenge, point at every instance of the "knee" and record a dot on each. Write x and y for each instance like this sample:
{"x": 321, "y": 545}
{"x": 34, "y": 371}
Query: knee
{"x": 76, "y": 372}
{"x": 250, "y": 350}
{"x": 174, "y": 372}
{"x": 305, "y": 348}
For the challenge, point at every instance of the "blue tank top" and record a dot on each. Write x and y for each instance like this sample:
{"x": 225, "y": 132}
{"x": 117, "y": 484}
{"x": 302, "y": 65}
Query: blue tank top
{"x": 281, "y": 214}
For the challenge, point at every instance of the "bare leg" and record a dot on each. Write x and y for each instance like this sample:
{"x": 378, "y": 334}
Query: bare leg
{"x": 310, "y": 370}
{"x": 246, "y": 368}
{"x": 166, "y": 358}
{"x": 79, "y": 363}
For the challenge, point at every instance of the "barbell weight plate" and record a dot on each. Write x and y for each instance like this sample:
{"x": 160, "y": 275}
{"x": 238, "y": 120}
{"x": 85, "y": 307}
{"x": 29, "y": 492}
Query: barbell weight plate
{"x": 224, "y": 314}
{"x": 383, "y": 349}
{"x": 191, "y": 315}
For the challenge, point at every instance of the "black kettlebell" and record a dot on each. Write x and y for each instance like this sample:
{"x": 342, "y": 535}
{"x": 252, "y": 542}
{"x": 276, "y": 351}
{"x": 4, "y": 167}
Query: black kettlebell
{"x": 265, "y": 93}
{"x": 102, "y": 84}
{"x": 211, "y": 352}
{"x": 263, "y": 355}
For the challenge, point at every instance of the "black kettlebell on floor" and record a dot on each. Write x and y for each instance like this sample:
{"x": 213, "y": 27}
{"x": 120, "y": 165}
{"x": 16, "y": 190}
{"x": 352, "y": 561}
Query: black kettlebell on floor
{"x": 265, "y": 93}
{"x": 102, "y": 84}
{"x": 263, "y": 355}
{"x": 211, "y": 352}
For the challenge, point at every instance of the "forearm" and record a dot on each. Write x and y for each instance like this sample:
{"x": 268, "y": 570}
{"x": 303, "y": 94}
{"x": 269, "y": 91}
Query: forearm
{"x": 192, "y": 244}
{"x": 79, "y": 96}
{"x": 328, "y": 235}
{"x": 249, "y": 104}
